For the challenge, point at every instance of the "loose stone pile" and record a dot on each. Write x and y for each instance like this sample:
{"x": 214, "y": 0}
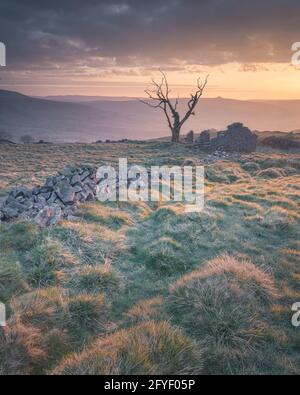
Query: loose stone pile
{"x": 55, "y": 200}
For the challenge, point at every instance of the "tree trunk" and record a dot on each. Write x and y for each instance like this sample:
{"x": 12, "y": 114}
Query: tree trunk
{"x": 175, "y": 134}
{"x": 160, "y": 96}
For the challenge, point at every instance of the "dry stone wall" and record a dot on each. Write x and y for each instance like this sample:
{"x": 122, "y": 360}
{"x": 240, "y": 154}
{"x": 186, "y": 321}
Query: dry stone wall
{"x": 55, "y": 200}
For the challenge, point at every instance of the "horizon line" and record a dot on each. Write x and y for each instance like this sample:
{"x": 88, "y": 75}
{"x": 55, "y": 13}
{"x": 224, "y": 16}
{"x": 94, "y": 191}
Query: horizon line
{"x": 139, "y": 98}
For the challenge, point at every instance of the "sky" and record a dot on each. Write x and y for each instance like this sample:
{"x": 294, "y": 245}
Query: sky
{"x": 114, "y": 48}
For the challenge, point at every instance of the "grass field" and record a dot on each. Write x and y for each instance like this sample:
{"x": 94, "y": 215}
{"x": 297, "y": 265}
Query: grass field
{"x": 136, "y": 288}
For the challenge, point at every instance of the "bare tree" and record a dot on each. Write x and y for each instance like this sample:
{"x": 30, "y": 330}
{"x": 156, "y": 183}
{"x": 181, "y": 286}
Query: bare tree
{"x": 159, "y": 98}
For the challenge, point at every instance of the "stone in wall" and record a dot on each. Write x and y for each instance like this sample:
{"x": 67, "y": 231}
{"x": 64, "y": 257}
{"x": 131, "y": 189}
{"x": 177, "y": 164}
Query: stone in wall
{"x": 189, "y": 139}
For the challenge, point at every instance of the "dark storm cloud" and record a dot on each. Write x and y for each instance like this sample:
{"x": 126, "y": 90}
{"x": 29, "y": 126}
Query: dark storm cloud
{"x": 146, "y": 33}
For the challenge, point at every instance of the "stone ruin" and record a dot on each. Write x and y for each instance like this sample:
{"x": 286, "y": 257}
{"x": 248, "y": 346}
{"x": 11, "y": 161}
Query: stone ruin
{"x": 237, "y": 138}
{"x": 55, "y": 200}
{"x": 189, "y": 139}
{"x": 204, "y": 140}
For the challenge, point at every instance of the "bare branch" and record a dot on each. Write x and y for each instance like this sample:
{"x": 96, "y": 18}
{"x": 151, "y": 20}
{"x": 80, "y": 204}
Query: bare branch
{"x": 159, "y": 94}
{"x": 150, "y": 105}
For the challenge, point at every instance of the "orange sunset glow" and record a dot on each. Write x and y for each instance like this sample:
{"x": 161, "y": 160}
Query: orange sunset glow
{"x": 115, "y": 48}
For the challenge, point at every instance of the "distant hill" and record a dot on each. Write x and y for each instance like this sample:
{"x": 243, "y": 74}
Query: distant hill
{"x": 77, "y": 118}
{"x": 4, "y": 141}
{"x": 20, "y": 114}
{"x": 83, "y": 98}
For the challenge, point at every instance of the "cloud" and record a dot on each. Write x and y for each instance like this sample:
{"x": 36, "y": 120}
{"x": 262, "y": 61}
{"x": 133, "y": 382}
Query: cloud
{"x": 252, "y": 67}
{"x": 138, "y": 33}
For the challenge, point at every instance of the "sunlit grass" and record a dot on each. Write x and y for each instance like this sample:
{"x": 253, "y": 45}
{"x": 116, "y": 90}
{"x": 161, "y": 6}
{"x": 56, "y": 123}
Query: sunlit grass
{"x": 142, "y": 288}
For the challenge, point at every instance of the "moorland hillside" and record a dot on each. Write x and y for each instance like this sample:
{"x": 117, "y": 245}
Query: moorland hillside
{"x": 144, "y": 288}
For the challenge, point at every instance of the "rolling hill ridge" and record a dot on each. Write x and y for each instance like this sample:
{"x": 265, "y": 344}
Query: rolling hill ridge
{"x": 64, "y": 120}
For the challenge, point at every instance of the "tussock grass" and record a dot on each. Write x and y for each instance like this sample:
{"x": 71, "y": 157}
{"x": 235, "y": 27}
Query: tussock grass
{"x": 44, "y": 308}
{"x": 222, "y": 173}
{"x": 165, "y": 255}
{"x": 12, "y": 281}
{"x": 272, "y": 173}
{"x": 92, "y": 280}
{"x": 224, "y": 303}
{"x": 277, "y": 219}
{"x": 148, "y": 348}
{"x": 42, "y": 263}
{"x": 163, "y": 214}
{"x": 98, "y": 213}
{"x": 94, "y": 295}
{"x": 87, "y": 313}
{"x": 243, "y": 271}
{"x": 63, "y": 322}
{"x": 276, "y": 162}
{"x": 19, "y": 236}
{"x": 294, "y": 162}
{"x": 251, "y": 167}
{"x": 90, "y": 243}
{"x": 20, "y": 350}
{"x": 144, "y": 310}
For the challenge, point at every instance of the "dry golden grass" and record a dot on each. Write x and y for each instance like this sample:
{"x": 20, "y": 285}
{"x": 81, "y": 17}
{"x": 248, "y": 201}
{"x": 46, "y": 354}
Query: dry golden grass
{"x": 227, "y": 305}
{"x": 99, "y": 213}
{"x": 20, "y": 348}
{"x": 148, "y": 348}
{"x": 144, "y": 310}
{"x": 92, "y": 295}
{"x": 224, "y": 265}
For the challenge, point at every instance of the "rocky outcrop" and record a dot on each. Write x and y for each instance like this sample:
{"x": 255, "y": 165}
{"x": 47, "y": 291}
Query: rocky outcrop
{"x": 55, "y": 200}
